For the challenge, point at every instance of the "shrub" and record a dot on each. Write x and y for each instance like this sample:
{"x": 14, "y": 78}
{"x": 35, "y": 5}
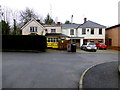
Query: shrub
{"x": 24, "y": 42}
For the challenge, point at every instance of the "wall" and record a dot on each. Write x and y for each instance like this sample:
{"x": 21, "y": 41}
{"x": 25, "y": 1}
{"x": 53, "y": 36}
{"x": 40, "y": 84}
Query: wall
{"x": 94, "y": 36}
{"x": 26, "y": 30}
{"x": 113, "y": 34}
{"x": 67, "y": 32}
{"x": 78, "y": 33}
{"x": 58, "y": 28}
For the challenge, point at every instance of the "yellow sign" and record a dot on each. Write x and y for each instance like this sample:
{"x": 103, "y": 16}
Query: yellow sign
{"x": 52, "y": 44}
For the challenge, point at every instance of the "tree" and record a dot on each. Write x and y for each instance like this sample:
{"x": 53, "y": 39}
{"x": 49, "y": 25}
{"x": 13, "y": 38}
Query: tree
{"x": 16, "y": 29}
{"x": 67, "y": 22}
{"x": 49, "y": 20}
{"x": 27, "y": 15}
{"x": 5, "y": 28}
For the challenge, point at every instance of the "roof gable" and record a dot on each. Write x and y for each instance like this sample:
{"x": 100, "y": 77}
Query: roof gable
{"x": 32, "y": 20}
{"x": 91, "y": 24}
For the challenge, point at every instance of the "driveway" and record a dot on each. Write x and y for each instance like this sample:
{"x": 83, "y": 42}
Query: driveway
{"x": 51, "y": 69}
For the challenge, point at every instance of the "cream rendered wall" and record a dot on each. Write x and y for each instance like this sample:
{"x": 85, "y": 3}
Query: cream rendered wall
{"x": 67, "y": 32}
{"x": 33, "y": 23}
{"x": 58, "y": 29}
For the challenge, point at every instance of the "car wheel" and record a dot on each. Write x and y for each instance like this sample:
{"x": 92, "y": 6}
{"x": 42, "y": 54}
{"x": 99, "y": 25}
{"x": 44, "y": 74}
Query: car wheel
{"x": 95, "y": 50}
{"x": 85, "y": 49}
{"x": 105, "y": 48}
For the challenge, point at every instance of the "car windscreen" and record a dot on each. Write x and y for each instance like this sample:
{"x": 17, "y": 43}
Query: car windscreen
{"x": 91, "y": 43}
{"x": 102, "y": 43}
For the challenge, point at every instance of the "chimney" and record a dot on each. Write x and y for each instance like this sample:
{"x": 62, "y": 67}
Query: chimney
{"x": 58, "y": 23}
{"x": 85, "y": 19}
{"x": 38, "y": 20}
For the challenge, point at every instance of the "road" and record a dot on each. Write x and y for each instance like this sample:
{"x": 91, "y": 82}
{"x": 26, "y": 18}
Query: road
{"x": 51, "y": 69}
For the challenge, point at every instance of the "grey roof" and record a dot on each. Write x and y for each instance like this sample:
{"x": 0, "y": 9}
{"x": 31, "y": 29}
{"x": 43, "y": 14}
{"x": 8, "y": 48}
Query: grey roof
{"x": 91, "y": 24}
{"x": 65, "y": 26}
{"x": 56, "y": 34}
{"x": 113, "y": 27}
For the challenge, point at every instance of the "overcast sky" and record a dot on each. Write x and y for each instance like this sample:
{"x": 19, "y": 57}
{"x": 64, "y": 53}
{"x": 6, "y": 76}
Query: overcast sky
{"x": 104, "y": 12}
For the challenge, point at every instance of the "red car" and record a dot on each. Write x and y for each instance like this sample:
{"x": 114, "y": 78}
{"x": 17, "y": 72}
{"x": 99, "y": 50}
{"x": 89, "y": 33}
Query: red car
{"x": 101, "y": 46}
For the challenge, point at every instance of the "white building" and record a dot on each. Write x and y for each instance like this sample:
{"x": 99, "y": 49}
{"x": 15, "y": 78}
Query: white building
{"x": 86, "y": 32}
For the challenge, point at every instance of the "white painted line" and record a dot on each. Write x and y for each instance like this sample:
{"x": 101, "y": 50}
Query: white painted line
{"x": 82, "y": 76}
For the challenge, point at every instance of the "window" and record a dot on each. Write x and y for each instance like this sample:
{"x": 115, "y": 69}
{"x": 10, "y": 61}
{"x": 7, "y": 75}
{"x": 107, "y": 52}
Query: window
{"x": 110, "y": 42}
{"x": 33, "y": 29}
{"x": 92, "y": 31}
{"x": 92, "y": 44}
{"x": 49, "y": 40}
{"x": 83, "y": 31}
{"x": 72, "y": 32}
{"x": 100, "y": 31}
{"x": 102, "y": 43}
{"x": 52, "y": 39}
{"x": 53, "y": 30}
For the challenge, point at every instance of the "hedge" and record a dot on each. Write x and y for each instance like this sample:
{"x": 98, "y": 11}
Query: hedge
{"x": 24, "y": 42}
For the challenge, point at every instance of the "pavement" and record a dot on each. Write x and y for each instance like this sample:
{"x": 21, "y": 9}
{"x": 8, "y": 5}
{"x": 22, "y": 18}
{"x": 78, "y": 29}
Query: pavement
{"x": 103, "y": 75}
{"x": 99, "y": 51}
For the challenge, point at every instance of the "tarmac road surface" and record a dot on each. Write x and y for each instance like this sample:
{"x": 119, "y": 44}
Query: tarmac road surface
{"x": 52, "y": 69}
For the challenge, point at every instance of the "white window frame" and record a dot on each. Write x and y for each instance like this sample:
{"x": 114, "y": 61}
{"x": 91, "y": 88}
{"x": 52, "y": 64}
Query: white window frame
{"x": 53, "y": 30}
{"x": 52, "y": 40}
{"x": 72, "y": 32}
{"x": 83, "y": 31}
{"x": 33, "y": 29}
{"x": 101, "y": 31}
{"x": 93, "y": 31}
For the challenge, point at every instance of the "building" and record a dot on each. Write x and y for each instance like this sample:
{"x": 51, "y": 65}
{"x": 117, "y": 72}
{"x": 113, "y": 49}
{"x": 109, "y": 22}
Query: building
{"x": 86, "y": 32}
{"x": 71, "y": 30}
{"x": 53, "y": 32}
{"x": 78, "y": 33}
{"x": 54, "y": 35}
{"x": 33, "y": 27}
{"x": 113, "y": 37}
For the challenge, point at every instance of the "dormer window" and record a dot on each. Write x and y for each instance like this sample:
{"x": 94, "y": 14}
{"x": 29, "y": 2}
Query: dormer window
{"x": 53, "y": 30}
{"x": 33, "y": 29}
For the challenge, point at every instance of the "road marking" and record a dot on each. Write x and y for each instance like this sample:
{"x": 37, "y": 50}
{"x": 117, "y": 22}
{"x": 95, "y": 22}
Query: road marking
{"x": 83, "y": 75}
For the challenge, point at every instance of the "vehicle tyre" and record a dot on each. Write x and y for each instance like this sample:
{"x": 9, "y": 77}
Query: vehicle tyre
{"x": 98, "y": 48}
{"x": 105, "y": 48}
{"x": 95, "y": 50}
